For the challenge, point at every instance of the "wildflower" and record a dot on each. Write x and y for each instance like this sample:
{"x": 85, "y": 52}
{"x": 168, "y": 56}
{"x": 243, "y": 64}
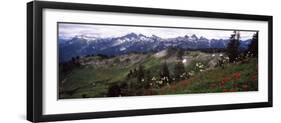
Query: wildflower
{"x": 226, "y": 79}
{"x": 237, "y": 75}
{"x": 184, "y": 61}
{"x": 225, "y": 90}
{"x": 168, "y": 84}
{"x": 222, "y": 84}
{"x": 235, "y": 85}
{"x": 191, "y": 73}
{"x": 254, "y": 78}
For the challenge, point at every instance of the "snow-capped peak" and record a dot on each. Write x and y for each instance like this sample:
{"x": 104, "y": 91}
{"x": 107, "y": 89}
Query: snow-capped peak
{"x": 88, "y": 38}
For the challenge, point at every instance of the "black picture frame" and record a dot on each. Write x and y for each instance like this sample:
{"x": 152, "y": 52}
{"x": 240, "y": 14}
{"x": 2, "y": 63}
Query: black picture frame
{"x": 34, "y": 60}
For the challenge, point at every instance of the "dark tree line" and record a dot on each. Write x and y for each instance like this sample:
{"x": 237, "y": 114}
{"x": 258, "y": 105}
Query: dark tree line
{"x": 179, "y": 71}
{"x": 233, "y": 46}
{"x": 68, "y": 66}
{"x": 232, "y": 49}
{"x": 165, "y": 73}
{"x": 253, "y": 47}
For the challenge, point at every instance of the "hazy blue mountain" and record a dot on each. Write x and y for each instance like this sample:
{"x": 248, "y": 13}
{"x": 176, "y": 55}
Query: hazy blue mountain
{"x": 83, "y": 45}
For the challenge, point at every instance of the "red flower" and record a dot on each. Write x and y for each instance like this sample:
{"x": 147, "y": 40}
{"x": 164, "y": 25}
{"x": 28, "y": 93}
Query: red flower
{"x": 225, "y": 79}
{"x": 254, "y": 78}
{"x": 225, "y": 90}
{"x": 234, "y": 85}
{"x": 237, "y": 75}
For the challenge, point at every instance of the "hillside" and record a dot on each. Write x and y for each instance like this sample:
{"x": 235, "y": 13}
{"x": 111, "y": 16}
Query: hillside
{"x": 170, "y": 71}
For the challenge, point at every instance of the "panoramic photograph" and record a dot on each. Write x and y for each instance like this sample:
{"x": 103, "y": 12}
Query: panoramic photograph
{"x": 107, "y": 60}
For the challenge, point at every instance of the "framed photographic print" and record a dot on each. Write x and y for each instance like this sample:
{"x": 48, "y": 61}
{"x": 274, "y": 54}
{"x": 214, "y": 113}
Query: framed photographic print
{"x": 95, "y": 61}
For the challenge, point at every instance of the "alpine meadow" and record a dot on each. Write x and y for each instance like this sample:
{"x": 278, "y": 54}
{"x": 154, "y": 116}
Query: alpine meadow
{"x": 107, "y": 60}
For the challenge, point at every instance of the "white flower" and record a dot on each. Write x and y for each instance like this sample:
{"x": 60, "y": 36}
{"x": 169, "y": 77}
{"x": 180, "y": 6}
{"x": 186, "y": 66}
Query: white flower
{"x": 191, "y": 73}
{"x": 184, "y": 61}
{"x": 201, "y": 66}
{"x": 213, "y": 55}
{"x": 221, "y": 54}
{"x": 168, "y": 84}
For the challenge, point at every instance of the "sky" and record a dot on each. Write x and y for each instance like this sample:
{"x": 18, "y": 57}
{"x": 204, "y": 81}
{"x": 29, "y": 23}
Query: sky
{"x": 68, "y": 31}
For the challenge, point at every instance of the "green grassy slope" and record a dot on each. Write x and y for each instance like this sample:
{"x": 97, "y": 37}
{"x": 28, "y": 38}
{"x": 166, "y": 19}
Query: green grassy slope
{"x": 231, "y": 78}
{"x": 90, "y": 80}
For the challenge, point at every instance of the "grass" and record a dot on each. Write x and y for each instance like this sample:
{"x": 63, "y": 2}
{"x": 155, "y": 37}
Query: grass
{"x": 94, "y": 81}
{"x": 237, "y": 77}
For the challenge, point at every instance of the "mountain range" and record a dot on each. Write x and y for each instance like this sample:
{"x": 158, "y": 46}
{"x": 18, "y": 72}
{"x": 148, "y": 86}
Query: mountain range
{"x": 84, "y": 45}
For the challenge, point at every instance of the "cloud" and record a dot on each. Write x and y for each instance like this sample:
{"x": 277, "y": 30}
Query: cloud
{"x": 67, "y": 30}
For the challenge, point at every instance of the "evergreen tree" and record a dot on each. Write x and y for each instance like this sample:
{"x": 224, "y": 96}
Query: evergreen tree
{"x": 135, "y": 72}
{"x": 130, "y": 74}
{"x": 233, "y": 47}
{"x": 253, "y": 47}
{"x": 171, "y": 51}
{"x": 164, "y": 73}
{"x": 180, "y": 54}
{"x": 140, "y": 73}
{"x": 114, "y": 91}
{"x": 73, "y": 59}
{"x": 179, "y": 71}
{"x": 148, "y": 78}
